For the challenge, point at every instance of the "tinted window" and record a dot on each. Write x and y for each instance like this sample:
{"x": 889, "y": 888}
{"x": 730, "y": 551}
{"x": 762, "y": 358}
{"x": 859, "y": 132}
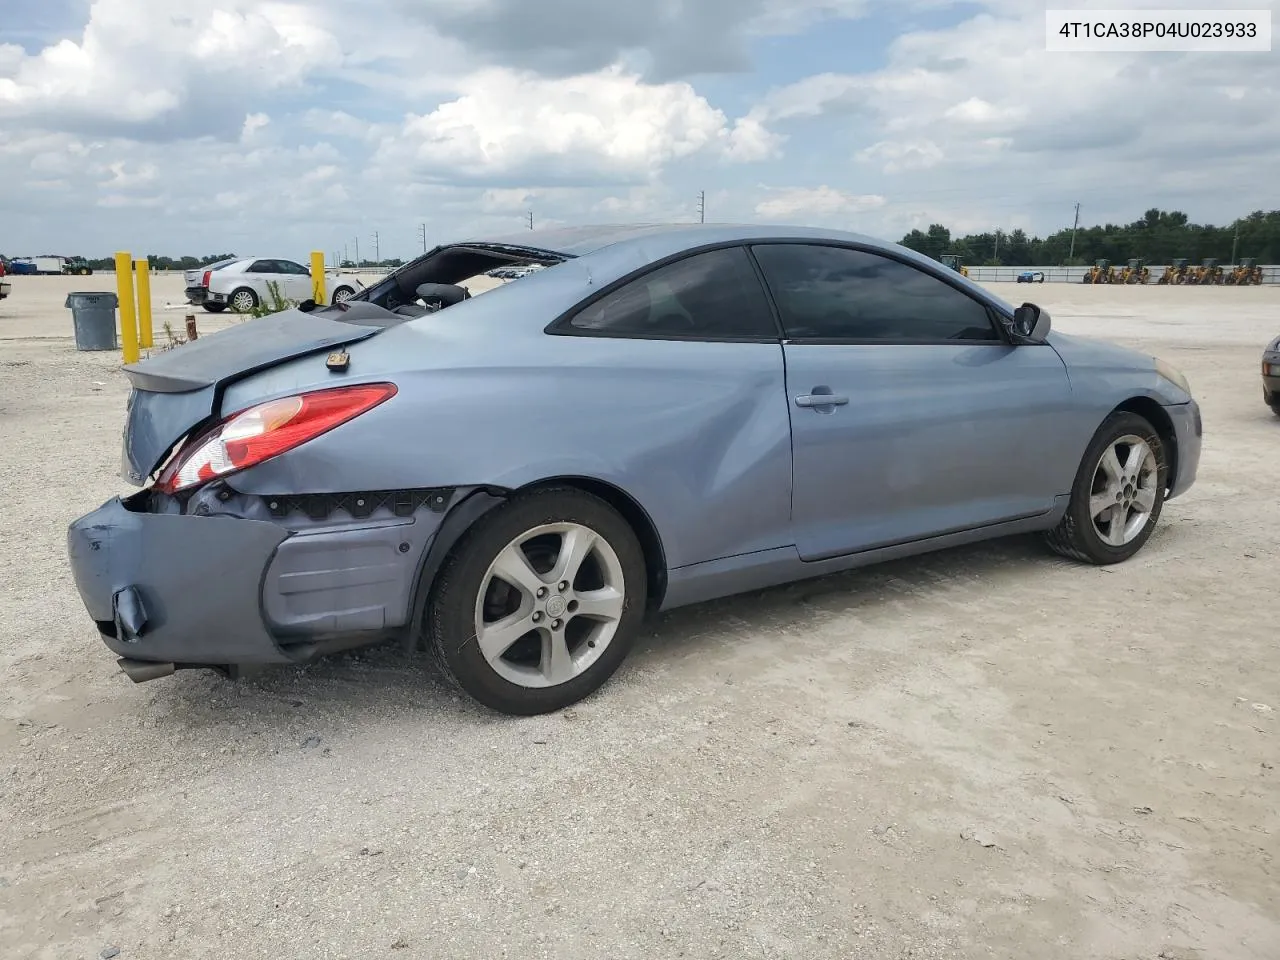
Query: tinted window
{"x": 263, "y": 266}
{"x": 833, "y": 293}
{"x": 297, "y": 269}
{"x": 713, "y": 295}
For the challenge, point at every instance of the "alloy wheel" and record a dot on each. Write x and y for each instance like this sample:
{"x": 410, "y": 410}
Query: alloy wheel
{"x": 549, "y": 604}
{"x": 1124, "y": 490}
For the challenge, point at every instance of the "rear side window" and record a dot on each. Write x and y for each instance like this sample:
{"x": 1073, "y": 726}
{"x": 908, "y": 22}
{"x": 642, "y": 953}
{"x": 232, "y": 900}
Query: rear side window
{"x": 837, "y": 293}
{"x": 708, "y": 296}
{"x": 263, "y": 266}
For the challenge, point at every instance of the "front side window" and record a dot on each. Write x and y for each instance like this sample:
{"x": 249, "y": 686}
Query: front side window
{"x": 708, "y": 296}
{"x": 837, "y": 293}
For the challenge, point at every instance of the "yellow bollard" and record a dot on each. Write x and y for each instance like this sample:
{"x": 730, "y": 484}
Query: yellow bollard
{"x": 142, "y": 268}
{"x": 128, "y": 321}
{"x": 317, "y": 276}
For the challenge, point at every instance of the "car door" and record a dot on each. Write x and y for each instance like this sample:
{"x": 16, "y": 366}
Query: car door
{"x": 260, "y": 274}
{"x": 296, "y": 279}
{"x": 912, "y": 414}
{"x": 692, "y": 403}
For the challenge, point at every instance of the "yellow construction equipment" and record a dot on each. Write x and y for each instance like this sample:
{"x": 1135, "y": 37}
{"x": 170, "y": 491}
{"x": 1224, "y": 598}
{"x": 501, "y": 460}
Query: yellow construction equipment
{"x": 1101, "y": 272}
{"x": 1136, "y": 272}
{"x": 1248, "y": 273}
{"x": 955, "y": 263}
{"x": 1176, "y": 273}
{"x": 1208, "y": 273}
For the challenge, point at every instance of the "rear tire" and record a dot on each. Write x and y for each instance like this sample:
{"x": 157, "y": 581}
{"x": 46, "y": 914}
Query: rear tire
{"x": 537, "y": 648}
{"x": 343, "y": 294}
{"x": 214, "y": 307}
{"x": 1113, "y": 509}
{"x": 1273, "y": 401}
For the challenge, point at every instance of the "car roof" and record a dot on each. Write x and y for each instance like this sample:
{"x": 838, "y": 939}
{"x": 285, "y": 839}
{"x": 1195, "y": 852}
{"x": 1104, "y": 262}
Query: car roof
{"x": 587, "y": 239}
{"x": 617, "y": 248}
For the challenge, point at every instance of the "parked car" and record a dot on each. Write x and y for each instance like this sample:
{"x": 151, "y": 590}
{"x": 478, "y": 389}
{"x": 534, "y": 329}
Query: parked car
{"x": 1031, "y": 276}
{"x": 1271, "y": 376}
{"x": 245, "y": 283}
{"x": 661, "y": 416}
{"x": 194, "y": 279}
{"x": 5, "y": 289}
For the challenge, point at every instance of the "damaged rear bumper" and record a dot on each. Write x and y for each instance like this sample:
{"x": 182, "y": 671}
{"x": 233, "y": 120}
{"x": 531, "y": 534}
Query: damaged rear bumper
{"x": 172, "y": 589}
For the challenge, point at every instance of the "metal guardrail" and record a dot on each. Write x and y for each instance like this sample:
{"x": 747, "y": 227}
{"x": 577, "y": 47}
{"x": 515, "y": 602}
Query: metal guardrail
{"x": 1270, "y": 273}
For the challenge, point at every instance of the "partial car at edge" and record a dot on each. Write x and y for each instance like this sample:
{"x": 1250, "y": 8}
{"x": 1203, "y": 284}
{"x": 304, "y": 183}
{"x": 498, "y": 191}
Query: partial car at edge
{"x": 1271, "y": 376}
{"x": 660, "y": 415}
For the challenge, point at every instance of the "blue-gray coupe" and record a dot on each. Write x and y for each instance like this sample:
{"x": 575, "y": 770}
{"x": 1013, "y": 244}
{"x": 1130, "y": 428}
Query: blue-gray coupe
{"x": 647, "y": 417}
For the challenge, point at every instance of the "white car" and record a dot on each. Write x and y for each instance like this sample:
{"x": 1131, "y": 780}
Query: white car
{"x": 245, "y": 283}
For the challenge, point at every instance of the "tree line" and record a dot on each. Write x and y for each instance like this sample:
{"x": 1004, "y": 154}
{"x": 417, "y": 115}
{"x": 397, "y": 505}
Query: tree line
{"x": 1158, "y": 237}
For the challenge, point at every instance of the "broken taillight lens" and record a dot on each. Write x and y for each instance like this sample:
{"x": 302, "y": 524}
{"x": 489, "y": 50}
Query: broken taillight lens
{"x": 267, "y": 430}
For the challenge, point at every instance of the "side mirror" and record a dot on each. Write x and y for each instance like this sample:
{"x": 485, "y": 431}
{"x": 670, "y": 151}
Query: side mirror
{"x": 1031, "y": 323}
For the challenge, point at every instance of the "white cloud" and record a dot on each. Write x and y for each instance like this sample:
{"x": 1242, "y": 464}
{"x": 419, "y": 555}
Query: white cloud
{"x": 816, "y": 203}
{"x": 293, "y": 122}
{"x": 606, "y": 126}
{"x": 140, "y": 62}
{"x": 896, "y": 156}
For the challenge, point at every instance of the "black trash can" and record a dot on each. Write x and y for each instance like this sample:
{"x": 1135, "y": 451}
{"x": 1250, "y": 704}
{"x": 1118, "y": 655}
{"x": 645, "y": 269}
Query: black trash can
{"x": 94, "y": 317}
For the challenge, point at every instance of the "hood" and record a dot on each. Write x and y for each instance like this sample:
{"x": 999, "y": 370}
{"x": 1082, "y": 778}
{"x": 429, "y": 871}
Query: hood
{"x": 178, "y": 389}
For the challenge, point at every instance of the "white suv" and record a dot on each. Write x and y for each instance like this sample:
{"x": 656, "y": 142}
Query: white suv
{"x": 244, "y": 284}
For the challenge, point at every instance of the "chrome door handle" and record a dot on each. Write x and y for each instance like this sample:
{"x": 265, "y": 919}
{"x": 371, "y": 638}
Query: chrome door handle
{"x": 821, "y": 400}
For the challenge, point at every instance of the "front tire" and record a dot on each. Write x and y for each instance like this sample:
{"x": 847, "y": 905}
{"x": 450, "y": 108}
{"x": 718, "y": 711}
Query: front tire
{"x": 1118, "y": 493}
{"x": 539, "y": 603}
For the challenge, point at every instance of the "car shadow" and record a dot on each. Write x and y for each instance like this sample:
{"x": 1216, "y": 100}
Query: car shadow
{"x": 386, "y": 679}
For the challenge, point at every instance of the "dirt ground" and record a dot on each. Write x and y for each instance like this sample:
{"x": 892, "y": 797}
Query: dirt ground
{"x": 987, "y": 752}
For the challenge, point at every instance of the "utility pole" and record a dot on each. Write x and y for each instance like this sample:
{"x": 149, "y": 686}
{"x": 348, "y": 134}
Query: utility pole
{"x": 357, "y": 252}
{"x": 422, "y": 235}
{"x": 345, "y": 258}
{"x": 702, "y": 206}
{"x": 530, "y": 219}
{"x": 1075, "y": 226}
{"x": 1235, "y": 244}
{"x": 377, "y": 250}
{"x": 996, "y": 255}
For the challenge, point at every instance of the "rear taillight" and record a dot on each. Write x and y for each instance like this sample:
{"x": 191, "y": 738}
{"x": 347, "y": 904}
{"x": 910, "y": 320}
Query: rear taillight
{"x": 267, "y": 430}
{"x": 204, "y": 281}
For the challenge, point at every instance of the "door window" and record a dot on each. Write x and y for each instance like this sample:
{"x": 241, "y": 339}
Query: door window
{"x": 842, "y": 294}
{"x": 708, "y": 296}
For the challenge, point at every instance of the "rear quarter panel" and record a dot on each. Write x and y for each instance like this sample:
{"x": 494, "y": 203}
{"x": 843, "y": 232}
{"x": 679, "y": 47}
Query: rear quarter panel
{"x": 696, "y": 433}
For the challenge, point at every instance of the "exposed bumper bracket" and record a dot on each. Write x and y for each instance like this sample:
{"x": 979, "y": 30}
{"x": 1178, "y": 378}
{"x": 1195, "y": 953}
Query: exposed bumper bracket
{"x": 129, "y": 614}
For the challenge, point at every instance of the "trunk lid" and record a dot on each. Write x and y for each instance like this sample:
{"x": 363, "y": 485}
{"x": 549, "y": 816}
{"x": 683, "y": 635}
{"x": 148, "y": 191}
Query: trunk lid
{"x": 175, "y": 390}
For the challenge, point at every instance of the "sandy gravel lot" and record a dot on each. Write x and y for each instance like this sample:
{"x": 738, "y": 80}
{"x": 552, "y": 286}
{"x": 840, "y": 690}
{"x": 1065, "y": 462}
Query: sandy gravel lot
{"x": 984, "y": 753}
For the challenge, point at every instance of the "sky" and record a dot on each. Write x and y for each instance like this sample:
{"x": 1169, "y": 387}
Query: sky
{"x": 275, "y": 127}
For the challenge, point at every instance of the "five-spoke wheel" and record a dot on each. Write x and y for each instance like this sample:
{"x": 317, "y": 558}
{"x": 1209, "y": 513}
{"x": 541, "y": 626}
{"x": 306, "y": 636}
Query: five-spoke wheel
{"x": 537, "y": 605}
{"x": 1118, "y": 493}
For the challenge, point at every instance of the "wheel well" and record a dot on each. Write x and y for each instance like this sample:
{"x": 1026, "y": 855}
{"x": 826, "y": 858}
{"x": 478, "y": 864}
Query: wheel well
{"x": 655, "y": 559}
{"x": 1155, "y": 414}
